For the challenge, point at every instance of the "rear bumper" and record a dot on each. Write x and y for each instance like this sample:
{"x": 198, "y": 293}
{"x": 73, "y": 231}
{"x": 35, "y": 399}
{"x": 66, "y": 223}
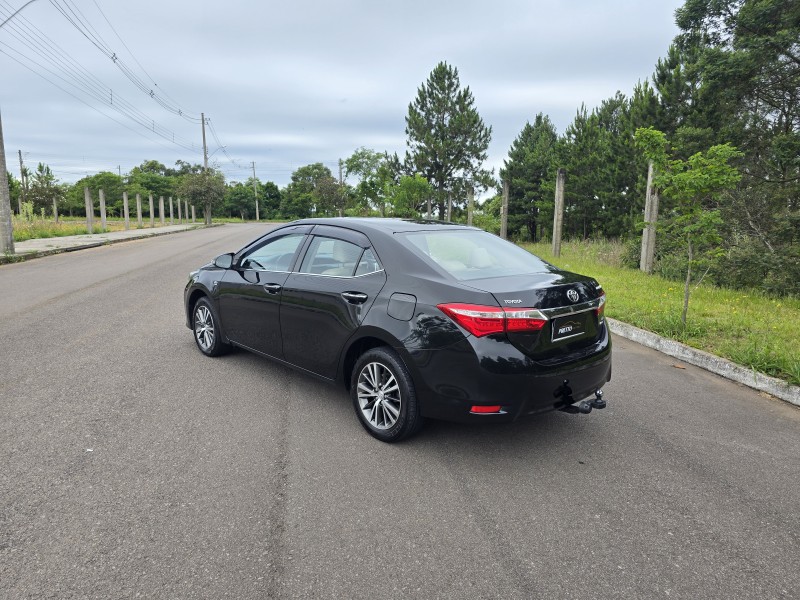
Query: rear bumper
{"x": 480, "y": 371}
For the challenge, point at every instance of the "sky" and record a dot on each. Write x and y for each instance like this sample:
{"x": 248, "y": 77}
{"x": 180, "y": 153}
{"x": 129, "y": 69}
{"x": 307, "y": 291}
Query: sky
{"x": 286, "y": 84}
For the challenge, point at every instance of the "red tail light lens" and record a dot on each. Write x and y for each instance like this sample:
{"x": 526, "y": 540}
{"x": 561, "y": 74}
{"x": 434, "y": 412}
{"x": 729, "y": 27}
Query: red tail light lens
{"x": 601, "y": 308}
{"x": 485, "y": 320}
{"x": 478, "y": 320}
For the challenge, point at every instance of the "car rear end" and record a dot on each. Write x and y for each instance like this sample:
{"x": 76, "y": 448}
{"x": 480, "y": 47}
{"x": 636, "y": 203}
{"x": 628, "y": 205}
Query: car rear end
{"x": 533, "y": 338}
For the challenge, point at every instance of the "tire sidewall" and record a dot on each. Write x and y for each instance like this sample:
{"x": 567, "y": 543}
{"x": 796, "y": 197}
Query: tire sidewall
{"x": 216, "y": 347}
{"x": 409, "y": 419}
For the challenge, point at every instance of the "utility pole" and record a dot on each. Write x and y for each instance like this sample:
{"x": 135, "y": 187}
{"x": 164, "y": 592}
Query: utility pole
{"x": 255, "y": 189}
{"x": 205, "y": 148}
{"x": 6, "y": 227}
{"x": 23, "y": 194}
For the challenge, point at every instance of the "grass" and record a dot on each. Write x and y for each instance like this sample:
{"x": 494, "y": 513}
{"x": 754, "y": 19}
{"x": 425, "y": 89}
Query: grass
{"x": 47, "y": 228}
{"x": 747, "y": 327}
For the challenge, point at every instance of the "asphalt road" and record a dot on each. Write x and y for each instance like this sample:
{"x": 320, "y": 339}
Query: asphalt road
{"x": 132, "y": 466}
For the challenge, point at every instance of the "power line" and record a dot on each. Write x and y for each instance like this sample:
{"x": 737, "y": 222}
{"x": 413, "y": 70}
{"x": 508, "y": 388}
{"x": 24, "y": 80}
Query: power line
{"x": 75, "y": 75}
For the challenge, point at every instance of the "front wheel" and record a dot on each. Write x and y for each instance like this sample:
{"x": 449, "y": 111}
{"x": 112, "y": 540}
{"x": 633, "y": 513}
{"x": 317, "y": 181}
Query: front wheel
{"x": 206, "y": 329}
{"x": 383, "y": 396}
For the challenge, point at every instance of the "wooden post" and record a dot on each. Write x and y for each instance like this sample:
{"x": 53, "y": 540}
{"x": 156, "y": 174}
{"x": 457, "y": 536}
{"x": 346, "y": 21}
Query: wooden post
{"x": 650, "y": 219}
{"x": 504, "y": 213}
{"x": 470, "y": 205}
{"x": 171, "y": 219}
{"x": 161, "y": 209}
{"x": 125, "y": 210}
{"x": 87, "y": 196}
{"x": 152, "y": 214}
{"x": 180, "y": 216}
{"x": 558, "y": 213}
{"x": 139, "y": 211}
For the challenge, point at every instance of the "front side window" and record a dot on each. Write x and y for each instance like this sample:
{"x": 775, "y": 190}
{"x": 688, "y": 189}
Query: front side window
{"x": 275, "y": 255}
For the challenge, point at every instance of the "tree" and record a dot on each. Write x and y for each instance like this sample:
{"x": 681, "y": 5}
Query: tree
{"x": 206, "y": 189}
{"x": 303, "y": 194}
{"x": 447, "y": 138}
{"x": 748, "y": 61}
{"x": 530, "y": 171}
{"x": 45, "y": 192}
{"x": 112, "y": 185}
{"x": 409, "y": 196}
{"x": 373, "y": 174}
{"x": 696, "y": 185}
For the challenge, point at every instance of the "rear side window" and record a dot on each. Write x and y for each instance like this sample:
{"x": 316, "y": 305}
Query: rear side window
{"x": 332, "y": 257}
{"x": 473, "y": 254}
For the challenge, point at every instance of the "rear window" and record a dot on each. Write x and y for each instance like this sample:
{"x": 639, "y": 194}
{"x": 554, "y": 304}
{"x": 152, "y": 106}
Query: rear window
{"x": 470, "y": 254}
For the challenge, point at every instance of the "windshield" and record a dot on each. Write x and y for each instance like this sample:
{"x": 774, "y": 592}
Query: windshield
{"x": 467, "y": 254}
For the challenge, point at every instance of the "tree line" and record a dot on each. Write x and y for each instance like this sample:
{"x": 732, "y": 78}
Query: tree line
{"x": 730, "y": 78}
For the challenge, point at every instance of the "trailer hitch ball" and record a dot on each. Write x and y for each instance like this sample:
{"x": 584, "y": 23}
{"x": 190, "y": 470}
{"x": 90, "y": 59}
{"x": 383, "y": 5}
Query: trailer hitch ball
{"x": 598, "y": 401}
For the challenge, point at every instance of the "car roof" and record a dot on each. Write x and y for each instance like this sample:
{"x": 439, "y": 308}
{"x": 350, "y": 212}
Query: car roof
{"x": 384, "y": 225}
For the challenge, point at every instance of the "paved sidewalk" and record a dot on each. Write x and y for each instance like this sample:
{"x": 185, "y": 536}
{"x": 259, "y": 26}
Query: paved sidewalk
{"x": 46, "y": 246}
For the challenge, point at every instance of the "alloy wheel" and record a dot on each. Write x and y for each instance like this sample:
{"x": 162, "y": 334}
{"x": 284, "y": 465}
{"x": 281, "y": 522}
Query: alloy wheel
{"x": 204, "y": 328}
{"x": 378, "y": 395}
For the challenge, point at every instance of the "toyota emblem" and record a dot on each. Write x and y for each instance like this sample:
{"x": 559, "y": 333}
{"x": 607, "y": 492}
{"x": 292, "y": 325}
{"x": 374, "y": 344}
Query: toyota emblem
{"x": 572, "y": 295}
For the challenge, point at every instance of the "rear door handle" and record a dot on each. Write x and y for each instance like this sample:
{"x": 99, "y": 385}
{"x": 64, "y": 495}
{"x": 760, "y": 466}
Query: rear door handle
{"x": 355, "y": 297}
{"x": 272, "y": 288}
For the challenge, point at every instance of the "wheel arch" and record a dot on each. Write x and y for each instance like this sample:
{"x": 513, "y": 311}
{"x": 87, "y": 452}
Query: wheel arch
{"x": 368, "y": 339}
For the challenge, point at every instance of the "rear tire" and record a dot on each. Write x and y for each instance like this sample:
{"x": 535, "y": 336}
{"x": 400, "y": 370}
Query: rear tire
{"x": 207, "y": 334}
{"x": 383, "y": 396}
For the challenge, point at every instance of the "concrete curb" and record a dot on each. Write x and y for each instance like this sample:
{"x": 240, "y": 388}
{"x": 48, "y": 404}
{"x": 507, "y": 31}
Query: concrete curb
{"x": 709, "y": 362}
{"x": 23, "y": 256}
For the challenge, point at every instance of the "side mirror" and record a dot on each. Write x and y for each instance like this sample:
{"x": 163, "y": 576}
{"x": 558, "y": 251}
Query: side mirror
{"x": 224, "y": 261}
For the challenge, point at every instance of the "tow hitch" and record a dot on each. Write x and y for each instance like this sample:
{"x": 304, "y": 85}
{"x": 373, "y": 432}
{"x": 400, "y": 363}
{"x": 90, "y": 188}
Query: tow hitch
{"x": 584, "y": 407}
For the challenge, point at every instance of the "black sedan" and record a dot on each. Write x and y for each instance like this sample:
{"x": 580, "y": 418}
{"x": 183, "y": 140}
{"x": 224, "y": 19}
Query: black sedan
{"x": 417, "y": 319}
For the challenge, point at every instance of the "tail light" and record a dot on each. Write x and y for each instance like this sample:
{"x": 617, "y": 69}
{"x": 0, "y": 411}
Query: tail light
{"x": 485, "y": 320}
{"x": 601, "y": 308}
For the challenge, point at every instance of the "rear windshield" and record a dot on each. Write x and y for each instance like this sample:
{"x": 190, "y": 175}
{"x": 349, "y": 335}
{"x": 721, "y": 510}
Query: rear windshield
{"x": 471, "y": 254}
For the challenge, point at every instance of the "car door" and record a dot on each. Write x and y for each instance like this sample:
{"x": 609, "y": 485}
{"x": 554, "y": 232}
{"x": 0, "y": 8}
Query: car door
{"x": 327, "y": 297}
{"x": 249, "y": 294}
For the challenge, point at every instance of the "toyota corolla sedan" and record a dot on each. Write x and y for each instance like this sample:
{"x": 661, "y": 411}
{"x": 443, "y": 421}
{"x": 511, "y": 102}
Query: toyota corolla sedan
{"x": 417, "y": 319}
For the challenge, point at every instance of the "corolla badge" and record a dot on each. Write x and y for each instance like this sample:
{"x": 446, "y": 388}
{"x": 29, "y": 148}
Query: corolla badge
{"x": 572, "y": 296}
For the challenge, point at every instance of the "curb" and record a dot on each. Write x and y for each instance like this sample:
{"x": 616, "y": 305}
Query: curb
{"x": 23, "y": 256}
{"x": 709, "y": 362}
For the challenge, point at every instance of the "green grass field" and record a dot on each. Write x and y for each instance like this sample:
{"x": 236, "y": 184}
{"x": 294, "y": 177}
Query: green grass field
{"x": 746, "y": 327}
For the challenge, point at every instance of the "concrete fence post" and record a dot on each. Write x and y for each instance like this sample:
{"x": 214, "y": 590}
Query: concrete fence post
{"x": 87, "y": 196}
{"x": 152, "y": 214}
{"x": 171, "y": 217}
{"x": 558, "y": 213}
{"x": 180, "y": 214}
{"x": 161, "y": 209}
{"x": 139, "y": 211}
{"x": 103, "y": 222}
{"x": 126, "y": 210}
{"x": 186, "y": 210}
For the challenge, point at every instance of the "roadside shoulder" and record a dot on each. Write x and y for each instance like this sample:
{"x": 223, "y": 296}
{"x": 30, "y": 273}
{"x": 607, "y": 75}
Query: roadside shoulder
{"x": 710, "y": 362}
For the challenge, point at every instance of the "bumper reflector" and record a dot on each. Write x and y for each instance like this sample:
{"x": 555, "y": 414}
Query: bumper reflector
{"x": 485, "y": 409}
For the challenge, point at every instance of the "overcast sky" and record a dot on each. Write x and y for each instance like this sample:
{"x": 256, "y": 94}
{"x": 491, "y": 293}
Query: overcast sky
{"x": 287, "y": 84}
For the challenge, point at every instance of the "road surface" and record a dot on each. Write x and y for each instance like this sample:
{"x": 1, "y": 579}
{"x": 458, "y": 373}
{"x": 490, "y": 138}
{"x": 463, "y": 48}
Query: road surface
{"x": 130, "y": 465}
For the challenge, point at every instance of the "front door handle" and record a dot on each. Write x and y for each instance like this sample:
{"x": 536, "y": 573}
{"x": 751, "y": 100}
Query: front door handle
{"x": 355, "y": 297}
{"x": 272, "y": 288}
